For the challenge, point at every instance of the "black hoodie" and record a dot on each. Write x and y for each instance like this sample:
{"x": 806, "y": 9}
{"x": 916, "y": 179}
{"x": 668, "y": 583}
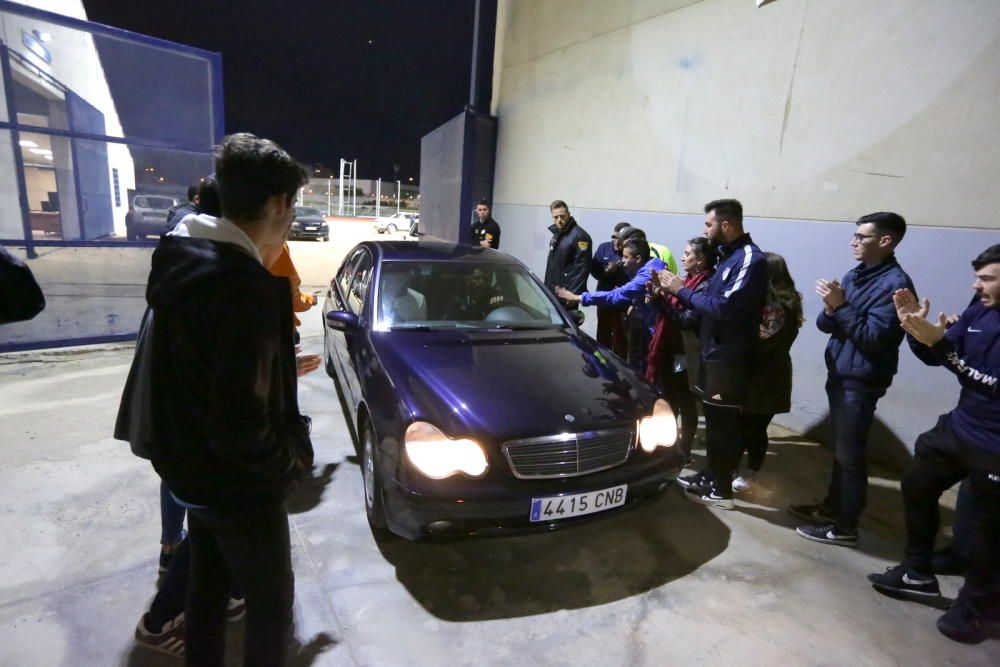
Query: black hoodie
{"x": 225, "y": 417}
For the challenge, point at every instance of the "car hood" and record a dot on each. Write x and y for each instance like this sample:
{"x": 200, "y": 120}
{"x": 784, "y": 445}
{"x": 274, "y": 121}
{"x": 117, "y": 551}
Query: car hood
{"x": 310, "y": 219}
{"x": 507, "y": 385}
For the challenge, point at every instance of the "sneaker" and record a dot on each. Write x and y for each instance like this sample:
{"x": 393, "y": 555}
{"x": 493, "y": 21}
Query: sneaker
{"x": 698, "y": 479}
{"x": 899, "y": 581}
{"x": 169, "y": 640}
{"x": 744, "y": 480}
{"x": 236, "y": 609}
{"x": 709, "y": 496}
{"x": 829, "y": 534}
{"x": 817, "y": 513}
{"x": 964, "y": 622}
{"x": 946, "y": 561}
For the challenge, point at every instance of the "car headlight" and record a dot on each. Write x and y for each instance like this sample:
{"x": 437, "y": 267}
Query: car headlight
{"x": 438, "y": 456}
{"x": 659, "y": 429}
{"x": 296, "y": 224}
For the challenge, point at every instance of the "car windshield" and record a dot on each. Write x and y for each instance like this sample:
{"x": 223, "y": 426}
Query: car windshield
{"x": 155, "y": 202}
{"x": 461, "y": 295}
{"x": 308, "y": 211}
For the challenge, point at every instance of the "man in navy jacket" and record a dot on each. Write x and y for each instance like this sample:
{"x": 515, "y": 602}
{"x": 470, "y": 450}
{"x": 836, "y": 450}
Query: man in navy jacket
{"x": 640, "y": 268}
{"x": 965, "y": 444}
{"x": 861, "y": 359}
{"x": 606, "y": 267}
{"x": 730, "y": 318}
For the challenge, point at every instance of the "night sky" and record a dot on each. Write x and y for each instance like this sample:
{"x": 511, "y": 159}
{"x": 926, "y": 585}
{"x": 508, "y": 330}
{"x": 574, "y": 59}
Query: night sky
{"x": 326, "y": 79}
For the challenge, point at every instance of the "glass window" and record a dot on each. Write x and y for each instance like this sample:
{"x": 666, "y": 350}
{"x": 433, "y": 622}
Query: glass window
{"x": 462, "y": 295}
{"x": 11, "y": 226}
{"x": 347, "y": 271}
{"x": 359, "y": 286}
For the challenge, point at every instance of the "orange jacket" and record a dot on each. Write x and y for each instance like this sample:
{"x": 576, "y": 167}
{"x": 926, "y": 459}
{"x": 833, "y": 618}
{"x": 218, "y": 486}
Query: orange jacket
{"x": 284, "y": 268}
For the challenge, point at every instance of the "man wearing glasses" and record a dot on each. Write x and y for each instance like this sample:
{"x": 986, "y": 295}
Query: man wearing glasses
{"x": 861, "y": 359}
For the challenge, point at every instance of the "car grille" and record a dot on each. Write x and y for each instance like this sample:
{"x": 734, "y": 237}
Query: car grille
{"x": 569, "y": 454}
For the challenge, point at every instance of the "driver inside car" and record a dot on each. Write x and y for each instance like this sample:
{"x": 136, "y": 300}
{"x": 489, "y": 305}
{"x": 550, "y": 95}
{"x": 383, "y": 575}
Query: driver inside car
{"x": 479, "y": 297}
{"x": 399, "y": 302}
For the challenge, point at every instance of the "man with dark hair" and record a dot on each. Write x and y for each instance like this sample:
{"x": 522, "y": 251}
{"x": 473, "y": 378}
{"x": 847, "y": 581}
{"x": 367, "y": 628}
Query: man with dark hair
{"x": 730, "y": 308}
{"x": 861, "y": 359}
{"x": 606, "y": 267}
{"x": 965, "y": 444}
{"x": 639, "y": 267}
{"x": 657, "y": 250}
{"x": 227, "y": 436}
{"x": 485, "y": 230}
{"x": 570, "y": 251}
{"x": 177, "y": 213}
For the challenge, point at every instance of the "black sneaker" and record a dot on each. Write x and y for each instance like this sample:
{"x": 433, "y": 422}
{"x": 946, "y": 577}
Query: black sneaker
{"x": 829, "y": 534}
{"x": 817, "y": 513}
{"x": 710, "y": 496}
{"x": 165, "y": 559}
{"x": 169, "y": 640}
{"x": 698, "y": 479}
{"x": 899, "y": 582}
{"x": 964, "y": 622}
{"x": 946, "y": 561}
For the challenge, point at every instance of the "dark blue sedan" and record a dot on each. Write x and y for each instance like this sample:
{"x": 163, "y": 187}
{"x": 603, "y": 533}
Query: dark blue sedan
{"x": 478, "y": 404}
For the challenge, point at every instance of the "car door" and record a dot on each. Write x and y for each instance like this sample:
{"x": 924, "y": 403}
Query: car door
{"x": 339, "y": 289}
{"x": 355, "y": 352}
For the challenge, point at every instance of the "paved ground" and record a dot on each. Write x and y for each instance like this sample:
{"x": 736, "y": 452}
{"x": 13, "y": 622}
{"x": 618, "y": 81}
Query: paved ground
{"x": 670, "y": 583}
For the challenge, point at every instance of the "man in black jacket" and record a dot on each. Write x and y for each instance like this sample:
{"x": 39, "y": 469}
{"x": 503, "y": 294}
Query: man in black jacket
{"x": 226, "y": 434}
{"x": 570, "y": 252}
{"x": 485, "y": 230}
{"x": 177, "y": 213}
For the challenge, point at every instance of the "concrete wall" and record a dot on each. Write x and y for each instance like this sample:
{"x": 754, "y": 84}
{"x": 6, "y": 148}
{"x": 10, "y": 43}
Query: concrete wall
{"x": 810, "y": 112}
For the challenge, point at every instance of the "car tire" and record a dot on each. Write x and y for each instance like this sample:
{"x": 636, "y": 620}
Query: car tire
{"x": 372, "y": 480}
{"x": 391, "y": 228}
{"x": 326, "y": 239}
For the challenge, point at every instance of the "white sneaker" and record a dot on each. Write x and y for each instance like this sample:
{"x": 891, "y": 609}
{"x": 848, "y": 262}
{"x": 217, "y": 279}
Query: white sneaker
{"x": 744, "y": 480}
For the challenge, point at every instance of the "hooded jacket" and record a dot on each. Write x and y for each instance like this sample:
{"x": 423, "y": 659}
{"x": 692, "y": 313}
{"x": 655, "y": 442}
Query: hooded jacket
{"x": 568, "y": 264}
{"x": 225, "y": 419}
{"x": 863, "y": 350}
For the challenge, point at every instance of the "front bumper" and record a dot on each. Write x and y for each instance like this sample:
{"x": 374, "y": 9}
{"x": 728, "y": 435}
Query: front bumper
{"x": 318, "y": 233}
{"x": 504, "y": 509}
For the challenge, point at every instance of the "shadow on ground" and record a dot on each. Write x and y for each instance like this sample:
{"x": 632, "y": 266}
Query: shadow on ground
{"x": 580, "y": 566}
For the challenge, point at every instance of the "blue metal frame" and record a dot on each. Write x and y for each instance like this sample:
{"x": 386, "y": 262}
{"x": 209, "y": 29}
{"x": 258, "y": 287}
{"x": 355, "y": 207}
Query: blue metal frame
{"x": 67, "y": 342}
{"x": 217, "y": 112}
{"x": 15, "y": 148}
{"x": 92, "y": 27}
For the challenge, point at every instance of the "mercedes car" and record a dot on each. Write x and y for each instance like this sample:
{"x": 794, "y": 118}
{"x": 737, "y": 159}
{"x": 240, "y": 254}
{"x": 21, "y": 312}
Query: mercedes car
{"x": 477, "y": 403}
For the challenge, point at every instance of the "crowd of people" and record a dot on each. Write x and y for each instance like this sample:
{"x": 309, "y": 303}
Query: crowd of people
{"x": 719, "y": 337}
{"x": 211, "y": 397}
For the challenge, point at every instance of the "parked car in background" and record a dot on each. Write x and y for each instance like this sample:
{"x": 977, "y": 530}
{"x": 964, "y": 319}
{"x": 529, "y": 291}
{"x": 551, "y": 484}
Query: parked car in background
{"x": 478, "y": 404}
{"x": 309, "y": 223}
{"x": 393, "y": 223}
{"x": 148, "y": 216}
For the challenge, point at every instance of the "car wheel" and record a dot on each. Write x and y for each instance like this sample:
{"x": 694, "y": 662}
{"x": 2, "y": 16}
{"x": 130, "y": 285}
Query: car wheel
{"x": 390, "y": 229}
{"x": 326, "y": 239}
{"x": 372, "y": 480}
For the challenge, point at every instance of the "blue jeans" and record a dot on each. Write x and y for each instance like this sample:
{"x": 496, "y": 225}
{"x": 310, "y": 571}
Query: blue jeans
{"x": 171, "y": 517}
{"x": 851, "y": 414}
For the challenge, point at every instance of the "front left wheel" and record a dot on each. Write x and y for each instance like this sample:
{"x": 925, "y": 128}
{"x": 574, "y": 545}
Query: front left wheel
{"x": 374, "y": 508}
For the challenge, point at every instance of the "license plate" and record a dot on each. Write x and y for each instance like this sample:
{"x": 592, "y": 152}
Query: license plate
{"x": 310, "y": 229}
{"x": 579, "y": 504}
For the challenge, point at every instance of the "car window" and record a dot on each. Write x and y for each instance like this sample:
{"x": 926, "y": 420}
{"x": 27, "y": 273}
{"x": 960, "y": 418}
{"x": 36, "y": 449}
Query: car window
{"x": 347, "y": 271}
{"x": 461, "y": 295}
{"x": 359, "y": 286}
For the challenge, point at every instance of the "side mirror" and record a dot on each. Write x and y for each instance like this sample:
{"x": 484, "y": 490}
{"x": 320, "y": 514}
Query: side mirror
{"x": 341, "y": 320}
{"x": 577, "y": 316}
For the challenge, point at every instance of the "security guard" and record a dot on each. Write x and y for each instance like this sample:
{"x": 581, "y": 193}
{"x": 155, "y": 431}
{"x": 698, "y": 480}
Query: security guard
{"x": 485, "y": 230}
{"x": 570, "y": 252}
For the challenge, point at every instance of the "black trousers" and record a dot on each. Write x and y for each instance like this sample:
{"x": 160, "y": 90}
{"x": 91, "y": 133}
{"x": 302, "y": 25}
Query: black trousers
{"x": 753, "y": 429}
{"x": 851, "y": 414}
{"x": 940, "y": 461}
{"x": 723, "y": 443}
{"x": 250, "y": 544}
{"x": 678, "y": 392}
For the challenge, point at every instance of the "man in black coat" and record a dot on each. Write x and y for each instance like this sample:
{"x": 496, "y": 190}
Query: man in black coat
{"x": 570, "y": 252}
{"x": 177, "y": 213}
{"x": 485, "y": 230}
{"x": 225, "y": 432}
